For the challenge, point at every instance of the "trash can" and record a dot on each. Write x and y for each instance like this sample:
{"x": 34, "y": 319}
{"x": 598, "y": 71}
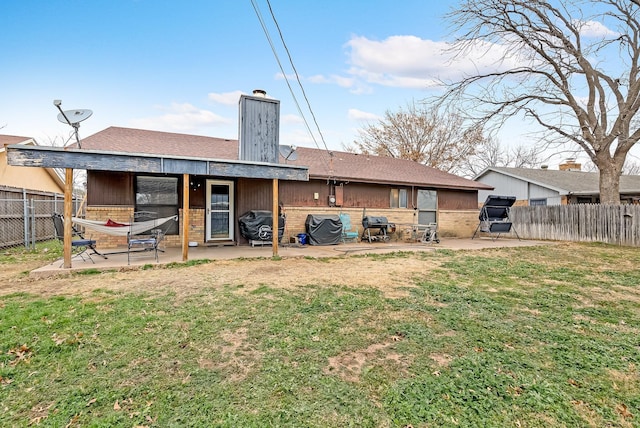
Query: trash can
{"x": 302, "y": 238}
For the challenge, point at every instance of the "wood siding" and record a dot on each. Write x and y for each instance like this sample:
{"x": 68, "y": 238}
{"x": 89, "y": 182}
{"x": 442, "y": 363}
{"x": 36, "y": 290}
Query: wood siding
{"x": 302, "y": 194}
{"x": 197, "y": 192}
{"x": 110, "y": 188}
{"x": 457, "y": 200}
{"x": 252, "y": 195}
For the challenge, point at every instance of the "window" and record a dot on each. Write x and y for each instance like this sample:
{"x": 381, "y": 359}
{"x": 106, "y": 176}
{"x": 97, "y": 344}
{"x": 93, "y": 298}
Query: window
{"x": 398, "y": 198}
{"x": 538, "y": 202}
{"x": 159, "y": 196}
{"x": 427, "y": 206}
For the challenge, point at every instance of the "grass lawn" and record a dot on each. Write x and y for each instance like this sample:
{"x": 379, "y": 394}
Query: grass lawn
{"x": 525, "y": 337}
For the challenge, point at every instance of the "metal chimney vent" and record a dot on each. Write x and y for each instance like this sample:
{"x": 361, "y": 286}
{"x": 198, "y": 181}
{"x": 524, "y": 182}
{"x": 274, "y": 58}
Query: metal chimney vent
{"x": 259, "y": 128}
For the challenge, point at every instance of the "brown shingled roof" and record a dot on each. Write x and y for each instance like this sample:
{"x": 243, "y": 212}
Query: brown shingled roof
{"x": 342, "y": 166}
{"x": 12, "y": 139}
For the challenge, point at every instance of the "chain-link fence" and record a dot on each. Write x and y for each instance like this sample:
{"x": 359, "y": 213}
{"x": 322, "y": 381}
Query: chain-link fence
{"x": 23, "y": 222}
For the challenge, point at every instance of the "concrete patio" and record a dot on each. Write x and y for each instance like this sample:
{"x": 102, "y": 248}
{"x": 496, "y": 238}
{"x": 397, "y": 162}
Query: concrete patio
{"x": 174, "y": 255}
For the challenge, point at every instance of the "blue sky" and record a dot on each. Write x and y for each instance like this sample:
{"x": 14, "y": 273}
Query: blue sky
{"x": 180, "y": 66}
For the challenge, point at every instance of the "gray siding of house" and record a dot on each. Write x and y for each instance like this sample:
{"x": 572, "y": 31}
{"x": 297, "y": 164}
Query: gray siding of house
{"x": 539, "y": 192}
{"x": 505, "y": 185}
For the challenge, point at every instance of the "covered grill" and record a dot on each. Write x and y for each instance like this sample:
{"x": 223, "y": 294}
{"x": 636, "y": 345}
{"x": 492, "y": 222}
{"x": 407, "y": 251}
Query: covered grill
{"x": 256, "y": 225}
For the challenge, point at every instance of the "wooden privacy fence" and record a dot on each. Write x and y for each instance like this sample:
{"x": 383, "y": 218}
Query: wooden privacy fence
{"x": 612, "y": 224}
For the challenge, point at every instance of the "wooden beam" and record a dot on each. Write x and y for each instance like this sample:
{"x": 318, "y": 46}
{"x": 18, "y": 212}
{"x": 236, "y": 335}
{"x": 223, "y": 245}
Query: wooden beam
{"x": 185, "y": 217}
{"x": 275, "y": 218}
{"x": 67, "y": 212}
{"x": 55, "y": 157}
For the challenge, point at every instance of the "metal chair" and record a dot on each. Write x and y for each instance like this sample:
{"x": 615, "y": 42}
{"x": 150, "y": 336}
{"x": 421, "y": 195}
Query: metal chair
{"x": 347, "y": 233}
{"x": 148, "y": 242}
{"x": 430, "y": 234}
{"x": 79, "y": 244}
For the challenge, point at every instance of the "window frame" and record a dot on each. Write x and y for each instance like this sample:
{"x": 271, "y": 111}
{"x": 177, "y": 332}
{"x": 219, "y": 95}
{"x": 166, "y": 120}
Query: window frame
{"x": 398, "y": 198}
{"x": 155, "y": 203}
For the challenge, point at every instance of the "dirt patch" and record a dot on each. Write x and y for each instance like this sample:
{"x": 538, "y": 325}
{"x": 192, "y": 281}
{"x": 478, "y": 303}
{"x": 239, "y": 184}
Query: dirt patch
{"x": 393, "y": 278}
{"x": 442, "y": 360}
{"x": 239, "y": 358}
{"x": 349, "y": 366}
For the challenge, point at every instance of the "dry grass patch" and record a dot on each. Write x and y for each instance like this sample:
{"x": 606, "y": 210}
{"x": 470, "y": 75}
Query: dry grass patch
{"x": 349, "y": 366}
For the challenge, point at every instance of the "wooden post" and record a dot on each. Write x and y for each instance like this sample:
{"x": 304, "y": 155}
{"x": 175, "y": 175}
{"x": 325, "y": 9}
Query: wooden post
{"x": 185, "y": 217}
{"x": 68, "y": 208}
{"x": 275, "y": 217}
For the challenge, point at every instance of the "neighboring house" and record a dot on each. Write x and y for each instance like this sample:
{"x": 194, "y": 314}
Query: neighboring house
{"x": 20, "y": 177}
{"x": 132, "y": 170}
{"x": 567, "y": 185}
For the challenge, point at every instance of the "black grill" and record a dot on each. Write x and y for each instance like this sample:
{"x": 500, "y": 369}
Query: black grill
{"x": 374, "y": 221}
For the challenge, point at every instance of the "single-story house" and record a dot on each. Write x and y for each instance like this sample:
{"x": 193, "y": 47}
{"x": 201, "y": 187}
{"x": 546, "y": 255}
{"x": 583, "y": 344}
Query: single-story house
{"x": 404, "y": 191}
{"x": 566, "y": 185}
{"x": 20, "y": 177}
{"x": 218, "y": 180}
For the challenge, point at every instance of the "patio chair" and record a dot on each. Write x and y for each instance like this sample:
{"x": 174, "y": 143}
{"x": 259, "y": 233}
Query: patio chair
{"x": 79, "y": 244}
{"x": 347, "y": 233}
{"x": 146, "y": 242}
{"x": 494, "y": 217}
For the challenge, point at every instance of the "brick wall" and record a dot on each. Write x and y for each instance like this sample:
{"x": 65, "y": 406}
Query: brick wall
{"x": 458, "y": 224}
{"x": 123, "y": 214}
{"x": 196, "y": 228}
{"x": 451, "y": 223}
{"x": 119, "y": 214}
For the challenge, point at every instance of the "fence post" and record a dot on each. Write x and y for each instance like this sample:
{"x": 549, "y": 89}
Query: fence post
{"x": 25, "y": 216}
{"x": 33, "y": 224}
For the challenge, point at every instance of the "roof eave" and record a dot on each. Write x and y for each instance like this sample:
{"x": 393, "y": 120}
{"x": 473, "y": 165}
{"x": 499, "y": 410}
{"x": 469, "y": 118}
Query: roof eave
{"x": 55, "y": 157}
{"x": 560, "y": 190}
{"x": 400, "y": 183}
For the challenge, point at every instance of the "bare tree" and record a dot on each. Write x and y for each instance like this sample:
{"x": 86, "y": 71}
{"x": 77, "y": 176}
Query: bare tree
{"x": 430, "y": 137}
{"x": 492, "y": 153}
{"x": 576, "y": 76}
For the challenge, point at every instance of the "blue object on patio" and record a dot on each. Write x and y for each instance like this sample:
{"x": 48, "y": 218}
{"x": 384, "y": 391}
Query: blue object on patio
{"x": 347, "y": 233}
{"x": 302, "y": 238}
{"x": 79, "y": 244}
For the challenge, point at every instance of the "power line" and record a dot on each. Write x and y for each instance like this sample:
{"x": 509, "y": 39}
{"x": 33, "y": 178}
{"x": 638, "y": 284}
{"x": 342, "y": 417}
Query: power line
{"x": 284, "y": 74}
{"x": 295, "y": 71}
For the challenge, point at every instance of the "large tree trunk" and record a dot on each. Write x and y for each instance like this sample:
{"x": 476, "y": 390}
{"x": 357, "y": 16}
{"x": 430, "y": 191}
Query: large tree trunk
{"x": 609, "y": 184}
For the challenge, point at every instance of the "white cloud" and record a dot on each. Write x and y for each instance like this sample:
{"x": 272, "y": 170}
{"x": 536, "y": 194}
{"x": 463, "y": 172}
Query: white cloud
{"x": 319, "y": 78}
{"x": 296, "y": 137}
{"x": 412, "y": 62}
{"x": 291, "y": 119}
{"x": 594, "y": 29}
{"x": 226, "y": 98}
{"x": 180, "y": 117}
{"x": 355, "y": 114}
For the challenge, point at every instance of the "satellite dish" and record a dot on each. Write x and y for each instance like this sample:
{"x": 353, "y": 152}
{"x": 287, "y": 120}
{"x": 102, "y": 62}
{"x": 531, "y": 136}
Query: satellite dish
{"x": 288, "y": 152}
{"x": 74, "y": 116}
